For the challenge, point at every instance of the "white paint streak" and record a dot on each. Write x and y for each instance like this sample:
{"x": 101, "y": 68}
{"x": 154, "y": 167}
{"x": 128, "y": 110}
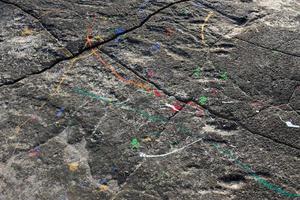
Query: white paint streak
{"x": 289, "y": 124}
{"x": 171, "y": 106}
{"x": 166, "y": 154}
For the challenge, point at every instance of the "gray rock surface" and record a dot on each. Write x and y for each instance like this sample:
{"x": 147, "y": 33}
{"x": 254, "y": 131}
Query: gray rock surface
{"x": 147, "y": 100}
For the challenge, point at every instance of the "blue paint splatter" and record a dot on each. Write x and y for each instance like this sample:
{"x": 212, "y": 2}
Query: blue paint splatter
{"x": 119, "y": 31}
{"x": 59, "y": 113}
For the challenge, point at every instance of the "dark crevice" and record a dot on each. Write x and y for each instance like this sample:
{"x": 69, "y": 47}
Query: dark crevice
{"x": 12, "y": 82}
{"x": 33, "y": 16}
{"x": 255, "y": 133}
{"x": 145, "y": 79}
{"x": 238, "y": 20}
{"x": 186, "y": 100}
{"x": 263, "y": 173}
{"x": 189, "y": 99}
{"x": 215, "y": 140}
{"x": 181, "y": 99}
{"x": 95, "y": 45}
{"x": 232, "y": 178}
{"x": 168, "y": 120}
{"x": 268, "y": 48}
{"x": 192, "y": 165}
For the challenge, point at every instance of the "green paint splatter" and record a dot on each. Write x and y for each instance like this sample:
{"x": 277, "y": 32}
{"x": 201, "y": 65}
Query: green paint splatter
{"x": 197, "y": 72}
{"x": 224, "y": 76}
{"x": 202, "y": 100}
{"x": 135, "y": 143}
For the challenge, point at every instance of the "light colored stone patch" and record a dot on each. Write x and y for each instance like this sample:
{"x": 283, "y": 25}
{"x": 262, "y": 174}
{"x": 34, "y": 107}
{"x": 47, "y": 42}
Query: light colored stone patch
{"x": 285, "y": 11}
{"x": 209, "y": 128}
{"x": 232, "y": 186}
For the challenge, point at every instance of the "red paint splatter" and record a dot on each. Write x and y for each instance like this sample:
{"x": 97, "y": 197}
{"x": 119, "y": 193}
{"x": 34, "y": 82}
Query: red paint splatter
{"x": 156, "y": 93}
{"x": 177, "y": 106}
{"x": 169, "y": 31}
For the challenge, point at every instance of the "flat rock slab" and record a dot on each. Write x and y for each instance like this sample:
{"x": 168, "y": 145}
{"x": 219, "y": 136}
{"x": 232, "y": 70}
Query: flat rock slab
{"x": 149, "y": 100}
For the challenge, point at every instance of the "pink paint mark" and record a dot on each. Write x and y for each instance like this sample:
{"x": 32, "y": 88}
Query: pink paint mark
{"x": 150, "y": 73}
{"x": 156, "y": 93}
{"x": 214, "y": 91}
{"x": 257, "y": 104}
{"x": 177, "y": 106}
{"x": 200, "y": 113}
{"x": 34, "y": 152}
{"x": 200, "y": 110}
{"x": 173, "y": 107}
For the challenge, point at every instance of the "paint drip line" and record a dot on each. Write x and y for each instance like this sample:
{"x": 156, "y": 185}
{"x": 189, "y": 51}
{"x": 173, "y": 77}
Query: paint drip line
{"x": 203, "y": 25}
{"x": 166, "y": 154}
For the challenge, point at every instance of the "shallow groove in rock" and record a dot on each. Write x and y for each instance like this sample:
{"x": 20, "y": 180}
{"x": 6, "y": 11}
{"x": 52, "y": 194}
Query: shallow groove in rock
{"x": 268, "y": 48}
{"x": 239, "y": 20}
{"x": 232, "y": 178}
{"x": 244, "y": 127}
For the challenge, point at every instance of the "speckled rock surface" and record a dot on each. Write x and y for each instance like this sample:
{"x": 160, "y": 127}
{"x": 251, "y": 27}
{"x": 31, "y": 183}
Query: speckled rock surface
{"x": 149, "y": 100}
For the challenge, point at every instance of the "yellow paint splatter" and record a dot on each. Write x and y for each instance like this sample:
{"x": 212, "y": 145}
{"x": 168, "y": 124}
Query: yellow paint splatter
{"x": 204, "y": 24}
{"x": 104, "y": 18}
{"x": 103, "y": 188}
{"x": 73, "y": 166}
{"x": 98, "y": 37}
{"x": 26, "y": 31}
{"x": 147, "y": 139}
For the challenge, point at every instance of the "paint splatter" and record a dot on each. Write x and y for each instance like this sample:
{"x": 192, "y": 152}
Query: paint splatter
{"x": 35, "y": 152}
{"x": 174, "y": 108}
{"x": 135, "y": 143}
{"x": 202, "y": 100}
{"x": 214, "y": 91}
{"x": 150, "y": 73}
{"x": 224, "y": 76}
{"x": 197, "y": 72}
{"x": 155, "y": 48}
{"x": 98, "y": 37}
{"x": 119, "y": 31}
{"x": 156, "y": 93}
{"x": 73, "y": 166}
{"x": 26, "y": 32}
{"x": 178, "y": 106}
{"x": 147, "y": 139}
{"x": 60, "y": 112}
{"x": 103, "y": 188}
{"x": 169, "y": 31}
{"x": 289, "y": 124}
{"x": 203, "y": 25}
{"x": 166, "y": 154}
